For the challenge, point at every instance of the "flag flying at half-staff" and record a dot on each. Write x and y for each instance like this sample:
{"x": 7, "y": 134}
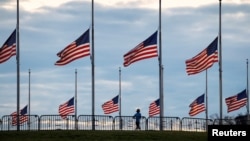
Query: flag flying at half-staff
{"x": 204, "y": 60}
{"x": 144, "y": 50}
{"x": 197, "y": 106}
{"x": 237, "y": 101}
{"x": 9, "y": 48}
{"x": 111, "y": 106}
{"x": 23, "y": 117}
{"x": 77, "y": 49}
{"x": 154, "y": 108}
{"x": 66, "y": 108}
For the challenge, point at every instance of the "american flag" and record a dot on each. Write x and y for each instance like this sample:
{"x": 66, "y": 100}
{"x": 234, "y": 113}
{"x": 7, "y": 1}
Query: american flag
{"x": 23, "y": 117}
{"x": 237, "y": 101}
{"x": 203, "y": 60}
{"x": 66, "y": 108}
{"x": 111, "y": 105}
{"x": 154, "y": 108}
{"x": 197, "y": 106}
{"x": 144, "y": 50}
{"x": 9, "y": 48}
{"x": 77, "y": 49}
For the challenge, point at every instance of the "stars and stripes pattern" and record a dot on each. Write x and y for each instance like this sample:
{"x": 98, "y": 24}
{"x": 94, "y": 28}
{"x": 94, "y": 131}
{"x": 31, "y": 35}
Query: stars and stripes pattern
{"x": 67, "y": 108}
{"x": 77, "y": 49}
{"x": 144, "y": 50}
{"x": 237, "y": 101}
{"x": 204, "y": 60}
{"x": 23, "y": 117}
{"x": 197, "y": 106}
{"x": 9, "y": 48}
{"x": 111, "y": 106}
{"x": 154, "y": 108}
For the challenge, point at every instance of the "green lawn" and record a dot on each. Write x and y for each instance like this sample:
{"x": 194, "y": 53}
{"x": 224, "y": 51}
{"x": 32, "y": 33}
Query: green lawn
{"x": 82, "y": 135}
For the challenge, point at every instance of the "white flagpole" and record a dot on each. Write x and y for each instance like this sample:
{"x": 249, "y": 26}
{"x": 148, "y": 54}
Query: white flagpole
{"x": 220, "y": 64}
{"x": 247, "y": 89}
{"x": 160, "y": 73}
{"x": 18, "y": 67}
{"x": 29, "y": 101}
{"x": 206, "y": 93}
{"x": 93, "y": 67}
{"x": 120, "y": 99}
{"x": 76, "y": 127}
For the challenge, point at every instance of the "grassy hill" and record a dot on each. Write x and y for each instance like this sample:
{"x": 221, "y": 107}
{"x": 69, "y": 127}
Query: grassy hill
{"x": 83, "y": 135}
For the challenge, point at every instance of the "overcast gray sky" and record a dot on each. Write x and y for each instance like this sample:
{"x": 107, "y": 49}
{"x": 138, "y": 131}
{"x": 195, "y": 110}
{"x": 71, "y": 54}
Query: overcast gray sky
{"x": 46, "y": 27}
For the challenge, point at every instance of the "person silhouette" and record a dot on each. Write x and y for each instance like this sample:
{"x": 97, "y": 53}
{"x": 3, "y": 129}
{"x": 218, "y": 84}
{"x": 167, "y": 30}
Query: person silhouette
{"x": 137, "y": 117}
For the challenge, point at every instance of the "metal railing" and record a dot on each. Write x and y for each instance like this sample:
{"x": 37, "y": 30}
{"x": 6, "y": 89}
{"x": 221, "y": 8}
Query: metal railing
{"x": 104, "y": 122}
